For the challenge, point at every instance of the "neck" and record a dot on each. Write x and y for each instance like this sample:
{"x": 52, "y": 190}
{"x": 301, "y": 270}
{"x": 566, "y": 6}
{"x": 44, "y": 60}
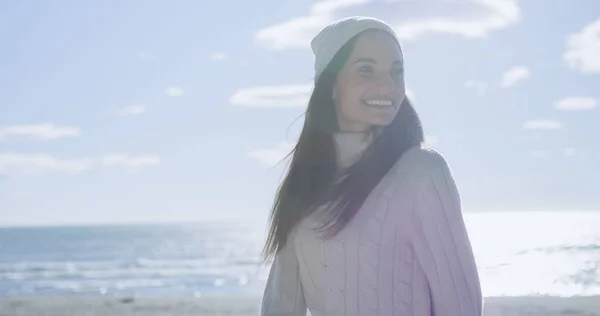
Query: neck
{"x": 350, "y": 146}
{"x": 352, "y": 127}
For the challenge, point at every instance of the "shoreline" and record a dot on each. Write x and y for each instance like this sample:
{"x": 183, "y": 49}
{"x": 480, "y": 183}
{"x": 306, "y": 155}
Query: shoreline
{"x": 230, "y": 305}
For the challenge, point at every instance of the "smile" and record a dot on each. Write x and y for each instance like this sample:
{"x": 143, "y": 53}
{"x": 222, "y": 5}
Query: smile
{"x": 379, "y": 104}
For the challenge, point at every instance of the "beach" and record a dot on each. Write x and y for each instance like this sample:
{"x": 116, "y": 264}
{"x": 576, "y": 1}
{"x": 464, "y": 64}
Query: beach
{"x": 249, "y": 306}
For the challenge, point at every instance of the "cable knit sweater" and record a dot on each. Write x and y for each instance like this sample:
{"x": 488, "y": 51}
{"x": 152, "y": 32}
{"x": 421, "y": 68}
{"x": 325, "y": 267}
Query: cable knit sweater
{"x": 406, "y": 252}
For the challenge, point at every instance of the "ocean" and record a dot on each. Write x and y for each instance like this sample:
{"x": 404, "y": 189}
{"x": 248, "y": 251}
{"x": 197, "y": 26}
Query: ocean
{"x": 518, "y": 254}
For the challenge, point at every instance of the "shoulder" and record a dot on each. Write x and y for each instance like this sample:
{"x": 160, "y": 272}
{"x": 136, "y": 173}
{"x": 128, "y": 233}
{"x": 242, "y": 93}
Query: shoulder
{"x": 420, "y": 180}
{"x": 419, "y": 163}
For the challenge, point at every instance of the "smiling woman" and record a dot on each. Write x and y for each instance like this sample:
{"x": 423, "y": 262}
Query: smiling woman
{"x": 370, "y": 87}
{"x": 366, "y": 221}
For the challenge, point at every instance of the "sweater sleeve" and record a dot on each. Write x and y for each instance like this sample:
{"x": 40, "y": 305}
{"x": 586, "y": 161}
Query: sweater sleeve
{"x": 442, "y": 246}
{"x": 283, "y": 294}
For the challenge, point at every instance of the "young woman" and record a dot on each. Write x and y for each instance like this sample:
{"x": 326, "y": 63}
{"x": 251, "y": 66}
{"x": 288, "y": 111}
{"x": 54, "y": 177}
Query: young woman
{"x": 367, "y": 221}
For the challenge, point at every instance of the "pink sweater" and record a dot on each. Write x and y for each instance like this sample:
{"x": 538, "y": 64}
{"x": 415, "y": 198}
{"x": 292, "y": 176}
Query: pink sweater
{"x": 406, "y": 252}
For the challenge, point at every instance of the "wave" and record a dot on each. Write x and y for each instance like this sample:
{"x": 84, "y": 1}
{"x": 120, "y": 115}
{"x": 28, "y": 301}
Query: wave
{"x": 589, "y": 248}
{"x": 139, "y": 268}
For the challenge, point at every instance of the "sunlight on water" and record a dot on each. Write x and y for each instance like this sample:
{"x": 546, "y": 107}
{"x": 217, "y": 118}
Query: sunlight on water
{"x": 537, "y": 253}
{"x": 534, "y": 253}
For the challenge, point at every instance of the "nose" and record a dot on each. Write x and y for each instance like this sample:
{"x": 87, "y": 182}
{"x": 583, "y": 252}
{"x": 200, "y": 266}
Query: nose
{"x": 385, "y": 84}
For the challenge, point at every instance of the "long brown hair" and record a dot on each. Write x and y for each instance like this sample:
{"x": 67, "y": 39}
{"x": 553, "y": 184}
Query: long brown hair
{"x": 311, "y": 179}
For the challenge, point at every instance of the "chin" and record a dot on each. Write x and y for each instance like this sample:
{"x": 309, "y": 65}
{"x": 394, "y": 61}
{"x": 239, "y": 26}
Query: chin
{"x": 382, "y": 122}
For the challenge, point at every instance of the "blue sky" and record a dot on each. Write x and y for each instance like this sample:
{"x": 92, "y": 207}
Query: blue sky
{"x": 131, "y": 111}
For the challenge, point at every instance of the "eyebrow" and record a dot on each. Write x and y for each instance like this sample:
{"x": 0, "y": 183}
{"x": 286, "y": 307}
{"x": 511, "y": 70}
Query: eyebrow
{"x": 372, "y": 61}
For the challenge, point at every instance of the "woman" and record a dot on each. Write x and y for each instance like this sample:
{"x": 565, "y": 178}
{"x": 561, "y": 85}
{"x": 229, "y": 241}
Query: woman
{"x": 366, "y": 222}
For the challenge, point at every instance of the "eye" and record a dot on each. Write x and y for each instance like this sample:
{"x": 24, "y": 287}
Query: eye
{"x": 398, "y": 71}
{"x": 366, "y": 69}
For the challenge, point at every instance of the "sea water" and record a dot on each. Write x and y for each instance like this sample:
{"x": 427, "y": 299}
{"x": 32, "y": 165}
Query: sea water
{"x": 518, "y": 254}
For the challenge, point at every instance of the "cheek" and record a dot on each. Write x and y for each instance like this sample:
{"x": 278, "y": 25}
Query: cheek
{"x": 351, "y": 101}
{"x": 400, "y": 87}
{"x": 347, "y": 92}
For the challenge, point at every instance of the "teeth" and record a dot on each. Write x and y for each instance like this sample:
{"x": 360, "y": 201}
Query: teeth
{"x": 379, "y": 102}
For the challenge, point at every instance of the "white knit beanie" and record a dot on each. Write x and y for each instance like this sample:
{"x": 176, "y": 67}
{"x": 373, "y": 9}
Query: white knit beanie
{"x": 333, "y": 36}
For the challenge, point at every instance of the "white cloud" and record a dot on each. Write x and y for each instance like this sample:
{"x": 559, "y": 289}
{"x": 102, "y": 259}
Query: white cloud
{"x": 277, "y": 96}
{"x": 132, "y": 110}
{"x": 431, "y": 141}
{"x": 513, "y": 75}
{"x": 218, "y": 56}
{"x": 130, "y": 161}
{"x": 498, "y": 14}
{"x": 45, "y": 131}
{"x": 583, "y": 49}
{"x": 147, "y": 56}
{"x": 480, "y": 87}
{"x": 576, "y": 104}
{"x": 174, "y": 91}
{"x": 298, "y": 31}
{"x": 540, "y": 154}
{"x": 271, "y": 156}
{"x": 574, "y": 152}
{"x": 570, "y": 152}
{"x": 542, "y": 124}
{"x": 18, "y": 164}
{"x": 30, "y": 164}
{"x": 411, "y": 20}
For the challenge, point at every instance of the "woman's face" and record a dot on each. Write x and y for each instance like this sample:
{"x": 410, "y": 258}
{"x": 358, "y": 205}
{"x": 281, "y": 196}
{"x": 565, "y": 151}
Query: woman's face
{"x": 370, "y": 86}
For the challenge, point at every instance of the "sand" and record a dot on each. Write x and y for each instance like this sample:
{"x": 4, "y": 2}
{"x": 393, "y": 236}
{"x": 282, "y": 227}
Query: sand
{"x": 245, "y": 306}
